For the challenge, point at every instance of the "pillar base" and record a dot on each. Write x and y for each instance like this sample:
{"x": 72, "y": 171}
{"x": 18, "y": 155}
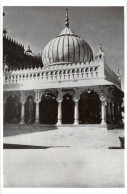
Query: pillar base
{"x": 59, "y": 122}
{"x": 22, "y": 122}
{"x": 76, "y": 122}
{"x": 37, "y": 121}
{"x": 103, "y": 124}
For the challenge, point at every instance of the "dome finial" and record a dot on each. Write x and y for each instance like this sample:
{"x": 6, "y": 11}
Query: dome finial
{"x": 118, "y": 70}
{"x": 101, "y": 47}
{"x": 67, "y": 19}
{"x": 118, "y": 74}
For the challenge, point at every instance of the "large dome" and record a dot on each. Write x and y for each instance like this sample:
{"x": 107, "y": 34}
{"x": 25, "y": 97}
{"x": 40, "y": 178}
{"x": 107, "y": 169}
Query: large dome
{"x": 66, "y": 48}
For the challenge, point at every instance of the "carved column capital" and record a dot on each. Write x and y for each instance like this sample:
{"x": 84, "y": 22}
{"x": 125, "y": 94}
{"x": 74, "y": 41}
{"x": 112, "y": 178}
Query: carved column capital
{"x": 23, "y": 97}
{"x": 76, "y": 94}
{"x": 75, "y": 99}
{"x": 37, "y": 97}
{"x": 59, "y": 96}
{"x": 103, "y": 98}
{"x": 59, "y": 100}
{"x": 22, "y": 101}
{"x": 37, "y": 101}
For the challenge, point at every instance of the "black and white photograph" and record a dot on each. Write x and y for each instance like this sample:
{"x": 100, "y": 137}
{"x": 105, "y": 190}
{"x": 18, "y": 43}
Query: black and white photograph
{"x": 63, "y": 96}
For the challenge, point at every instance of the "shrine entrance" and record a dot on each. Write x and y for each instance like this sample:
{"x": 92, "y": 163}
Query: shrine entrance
{"x": 67, "y": 109}
{"x": 48, "y": 109}
{"x": 89, "y": 108}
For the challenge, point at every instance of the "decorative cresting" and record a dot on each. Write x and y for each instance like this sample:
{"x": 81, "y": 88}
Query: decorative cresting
{"x": 66, "y": 48}
{"x": 67, "y": 19}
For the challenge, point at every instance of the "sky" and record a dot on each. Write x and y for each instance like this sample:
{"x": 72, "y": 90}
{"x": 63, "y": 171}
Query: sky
{"x": 36, "y": 26}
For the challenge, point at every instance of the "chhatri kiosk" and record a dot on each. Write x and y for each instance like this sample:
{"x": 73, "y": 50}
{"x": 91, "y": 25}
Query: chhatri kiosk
{"x": 72, "y": 86}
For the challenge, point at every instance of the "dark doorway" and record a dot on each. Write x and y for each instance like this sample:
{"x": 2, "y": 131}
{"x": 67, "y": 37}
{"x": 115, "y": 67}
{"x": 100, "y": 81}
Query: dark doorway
{"x": 67, "y": 109}
{"x": 89, "y": 108}
{"x": 29, "y": 110}
{"x": 12, "y": 109}
{"x": 48, "y": 109}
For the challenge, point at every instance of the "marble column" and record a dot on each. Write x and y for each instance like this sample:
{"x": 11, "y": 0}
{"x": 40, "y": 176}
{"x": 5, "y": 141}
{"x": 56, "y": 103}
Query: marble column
{"x": 37, "y": 112}
{"x": 109, "y": 111}
{"x": 37, "y": 100}
{"x": 22, "y": 112}
{"x": 76, "y": 113}
{"x": 22, "y": 100}
{"x": 59, "y": 117}
{"x": 103, "y": 110}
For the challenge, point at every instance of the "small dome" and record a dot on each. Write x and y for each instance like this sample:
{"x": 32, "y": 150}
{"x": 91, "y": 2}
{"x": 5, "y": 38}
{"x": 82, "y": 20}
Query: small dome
{"x": 66, "y": 48}
{"x": 29, "y": 52}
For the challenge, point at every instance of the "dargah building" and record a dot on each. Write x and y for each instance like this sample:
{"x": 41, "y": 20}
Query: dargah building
{"x": 67, "y": 84}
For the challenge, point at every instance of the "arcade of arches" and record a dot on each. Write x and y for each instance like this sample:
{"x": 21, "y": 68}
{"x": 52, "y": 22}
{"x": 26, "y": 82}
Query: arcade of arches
{"x": 74, "y": 106}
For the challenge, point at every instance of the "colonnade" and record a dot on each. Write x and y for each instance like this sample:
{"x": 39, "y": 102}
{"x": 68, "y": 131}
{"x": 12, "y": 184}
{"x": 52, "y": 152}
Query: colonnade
{"x": 59, "y": 116}
{"x": 112, "y": 110}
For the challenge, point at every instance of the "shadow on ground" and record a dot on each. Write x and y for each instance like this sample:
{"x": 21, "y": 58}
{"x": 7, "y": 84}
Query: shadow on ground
{"x": 19, "y": 146}
{"x": 115, "y": 148}
{"x": 17, "y": 129}
{"x": 115, "y": 126}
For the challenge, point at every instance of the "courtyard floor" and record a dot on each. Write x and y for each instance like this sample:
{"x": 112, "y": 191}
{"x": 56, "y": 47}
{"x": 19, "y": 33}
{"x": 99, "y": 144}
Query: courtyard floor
{"x": 67, "y": 157}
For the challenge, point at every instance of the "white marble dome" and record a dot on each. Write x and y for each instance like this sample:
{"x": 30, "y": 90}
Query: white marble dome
{"x": 66, "y": 48}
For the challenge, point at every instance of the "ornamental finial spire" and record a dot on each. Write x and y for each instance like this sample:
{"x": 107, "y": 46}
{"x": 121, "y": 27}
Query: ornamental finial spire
{"x": 101, "y": 47}
{"x": 67, "y": 19}
{"x": 118, "y": 74}
{"x": 118, "y": 70}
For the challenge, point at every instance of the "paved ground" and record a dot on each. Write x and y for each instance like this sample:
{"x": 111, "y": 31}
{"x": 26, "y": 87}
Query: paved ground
{"x": 86, "y": 137}
{"x": 83, "y": 161}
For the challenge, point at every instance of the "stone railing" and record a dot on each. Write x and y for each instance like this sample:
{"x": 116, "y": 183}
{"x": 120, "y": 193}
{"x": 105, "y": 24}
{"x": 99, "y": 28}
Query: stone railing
{"x": 61, "y": 73}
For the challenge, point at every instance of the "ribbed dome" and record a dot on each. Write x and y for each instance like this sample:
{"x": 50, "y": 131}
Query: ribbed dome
{"x": 66, "y": 48}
